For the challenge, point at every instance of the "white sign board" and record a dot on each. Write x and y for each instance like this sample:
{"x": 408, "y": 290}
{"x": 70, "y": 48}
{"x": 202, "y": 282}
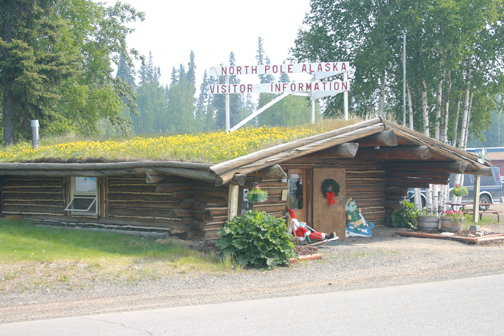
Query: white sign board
{"x": 335, "y": 87}
{"x": 335, "y": 67}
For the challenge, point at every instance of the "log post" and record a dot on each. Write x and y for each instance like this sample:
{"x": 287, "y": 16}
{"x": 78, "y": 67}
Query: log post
{"x": 233, "y": 201}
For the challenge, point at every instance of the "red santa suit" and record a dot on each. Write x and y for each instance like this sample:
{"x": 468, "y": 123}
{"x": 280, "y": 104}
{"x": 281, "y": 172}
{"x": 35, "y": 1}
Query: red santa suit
{"x": 302, "y": 232}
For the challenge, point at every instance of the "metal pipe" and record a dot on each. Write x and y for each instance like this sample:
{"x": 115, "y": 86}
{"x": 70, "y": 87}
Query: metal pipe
{"x": 35, "y": 133}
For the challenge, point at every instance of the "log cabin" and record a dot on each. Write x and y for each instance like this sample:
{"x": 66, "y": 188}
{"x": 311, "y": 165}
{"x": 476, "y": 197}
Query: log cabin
{"x": 373, "y": 162}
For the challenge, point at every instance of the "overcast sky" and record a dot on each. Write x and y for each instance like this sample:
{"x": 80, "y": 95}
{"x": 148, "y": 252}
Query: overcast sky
{"x": 214, "y": 28}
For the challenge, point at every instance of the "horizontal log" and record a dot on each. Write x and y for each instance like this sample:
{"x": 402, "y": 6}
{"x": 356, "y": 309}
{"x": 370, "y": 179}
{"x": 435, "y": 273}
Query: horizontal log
{"x": 144, "y": 205}
{"x": 43, "y": 166}
{"x": 369, "y": 203}
{"x": 199, "y": 205}
{"x": 29, "y": 189}
{"x": 407, "y": 185}
{"x": 343, "y": 151}
{"x": 42, "y": 202}
{"x": 270, "y": 208}
{"x": 394, "y": 198}
{"x": 140, "y": 197}
{"x": 218, "y": 211}
{"x": 179, "y": 195}
{"x": 212, "y": 193}
{"x": 439, "y": 166}
{"x": 392, "y": 179}
{"x": 365, "y": 174}
{"x": 10, "y": 182}
{"x": 367, "y": 188}
{"x": 33, "y": 196}
{"x": 32, "y": 214}
{"x": 75, "y": 172}
{"x": 395, "y": 153}
{"x": 140, "y": 212}
{"x": 211, "y": 199}
{"x": 198, "y": 225}
{"x": 353, "y": 181}
{"x": 239, "y": 179}
{"x": 396, "y": 205}
{"x": 126, "y": 180}
{"x": 187, "y": 203}
{"x": 181, "y": 213}
{"x": 171, "y": 187}
{"x": 33, "y": 209}
{"x": 396, "y": 191}
{"x": 434, "y": 175}
{"x": 154, "y": 179}
{"x": 385, "y": 138}
{"x": 211, "y": 188}
{"x": 360, "y": 195}
{"x": 132, "y": 188}
{"x": 195, "y": 174}
{"x": 203, "y": 215}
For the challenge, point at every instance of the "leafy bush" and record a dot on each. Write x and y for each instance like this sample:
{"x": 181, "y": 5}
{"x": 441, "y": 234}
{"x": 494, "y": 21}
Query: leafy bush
{"x": 405, "y": 217}
{"x": 256, "y": 239}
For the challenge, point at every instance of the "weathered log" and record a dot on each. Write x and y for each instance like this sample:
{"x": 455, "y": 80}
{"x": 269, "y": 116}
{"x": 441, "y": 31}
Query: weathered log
{"x": 178, "y": 195}
{"x": 32, "y": 196}
{"x": 33, "y": 209}
{"x": 368, "y": 188}
{"x": 199, "y": 205}
{"x": 40, "y": 166}
{"x": 13, "y": 182}
{"x": 177, "y": 213}
{"x": 188, "y": 235}
{"x": 172, "y": 187}
{"x": 394, "y": 198}
{"x": 274, "y": 172}
{"x": 219, "y": 211}
{"x": 144, "y": 205}
{"x": 270, "y": 208}
{"x": 139, "y": 197}
{"x": 365, "y": 174}
{"x": 435, "y": 175}
{"x": 406, "y": 185}
{"x": 417, "y": 180}
{"x": 142, "y": 212}
{"x": 238, "y": 179}
{"x": 32, "y": 189}
{"x": 304, "y": 148}
{"x": 187, "y": 203}
{"x": 69, "y": 173}
{"x": 396, "y": 191}
{"x": 146, "y": 188}
{"x": 234, "y": 192}
{"x": 385, "y": 138}
{"x": 195, "y": 174}
{"x": 211, "y": 199}
{"x": 396, "y": 205}
{"x": 198, "y": 225}
{"x": 203, "y": 215}
{"x": 215, "y": 193}
{"x": 353, "y": 181}
{"x": 345, "y": 150}
{"x": 445, "y": 167}
{"x": 395, "y": 153}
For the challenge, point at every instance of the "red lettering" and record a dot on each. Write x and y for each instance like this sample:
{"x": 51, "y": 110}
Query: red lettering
{"x": 300, "y": 85}
{"x": 303, "y": 69}
{"x": 320, "y": 69}
{"x": 289, "y": 68}
{"x": 223, "y": 88}
{"x": 281, "y": 69}
{"x": 336, "y": 86}
{"x": 327, "y": 67}
{"x": 212, "y": 88}
{"x": 266, "y": 68}
{"x": 249, "y": 88}
{"x": 238, "y": 70}
{"x": 324, "y": 84}
{"x": 242, "y": 88}
{"x": 316, "y": 88}
{"x": 308, "y": 86}
{"x": 278, "y": 87}
{"x": 272, "y": 86}
{"x": 335, "y": 67}
{"x": 311, "y": 70}
{"x": 275, "y": 68}
{"x": 224, "y": 70}
{"x": 254, "y": 69}
{"x": 293, "y": 87}
{"x": 246, "y": 69}
{"x": 284, "y": 86}
{"x": 344, "y": 85}
{"x": 235, "y": 85}
{"x": 343, "y": 66}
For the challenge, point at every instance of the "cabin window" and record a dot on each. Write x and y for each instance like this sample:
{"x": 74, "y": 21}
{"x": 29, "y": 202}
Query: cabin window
{"x": 296, "y": 191}
{"x": 84, "y": 198}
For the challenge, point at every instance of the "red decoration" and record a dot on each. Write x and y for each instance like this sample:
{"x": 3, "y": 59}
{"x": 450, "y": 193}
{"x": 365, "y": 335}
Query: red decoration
{"x": 330, "y": 197}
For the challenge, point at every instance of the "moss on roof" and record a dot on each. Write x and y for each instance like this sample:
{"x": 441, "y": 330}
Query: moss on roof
{"x": 202, "y": 147}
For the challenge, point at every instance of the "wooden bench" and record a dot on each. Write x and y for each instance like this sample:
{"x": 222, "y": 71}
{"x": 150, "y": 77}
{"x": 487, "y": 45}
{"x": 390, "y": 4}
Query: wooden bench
{"x": 470, "y": 212}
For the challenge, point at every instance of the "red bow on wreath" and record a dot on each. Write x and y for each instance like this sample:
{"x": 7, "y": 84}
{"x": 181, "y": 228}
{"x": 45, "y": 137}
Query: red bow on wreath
{"x": 330, "y": 197}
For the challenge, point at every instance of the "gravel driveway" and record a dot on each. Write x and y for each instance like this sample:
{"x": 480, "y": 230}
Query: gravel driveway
{"x": 357, "y": 263}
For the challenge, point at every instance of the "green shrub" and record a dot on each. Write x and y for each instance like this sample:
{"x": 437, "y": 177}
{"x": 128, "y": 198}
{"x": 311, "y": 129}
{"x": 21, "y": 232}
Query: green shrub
{"x": 256, "y": 239}
{"x": 405, "y": 217}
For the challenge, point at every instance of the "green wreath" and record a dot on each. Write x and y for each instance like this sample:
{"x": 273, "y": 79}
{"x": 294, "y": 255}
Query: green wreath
{"x": 330, "y": 184}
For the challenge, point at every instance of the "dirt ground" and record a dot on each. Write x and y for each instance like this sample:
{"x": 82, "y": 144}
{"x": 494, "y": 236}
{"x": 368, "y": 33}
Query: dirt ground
{"x": 383, "y": 260}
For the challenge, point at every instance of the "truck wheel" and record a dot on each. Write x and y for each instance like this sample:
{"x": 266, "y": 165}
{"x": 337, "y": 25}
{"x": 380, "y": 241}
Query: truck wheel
{"x": 484, "y": 199}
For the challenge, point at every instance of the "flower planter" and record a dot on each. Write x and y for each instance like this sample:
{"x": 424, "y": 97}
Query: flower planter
{"x": 428, "y": 223}
{"x": 257, "y": 197}
{"x": 452, "y": 224}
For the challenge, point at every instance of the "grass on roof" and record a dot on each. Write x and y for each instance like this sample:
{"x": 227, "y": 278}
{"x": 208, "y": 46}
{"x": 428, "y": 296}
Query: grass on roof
{"x": 201, "y": 147}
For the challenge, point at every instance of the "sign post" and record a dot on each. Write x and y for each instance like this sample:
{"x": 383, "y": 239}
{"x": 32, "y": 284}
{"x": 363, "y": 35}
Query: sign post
{"x": 315, "y": 88}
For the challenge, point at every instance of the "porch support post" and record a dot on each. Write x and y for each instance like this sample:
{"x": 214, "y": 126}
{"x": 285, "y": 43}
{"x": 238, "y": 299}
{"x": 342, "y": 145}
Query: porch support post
{"x": 477, "y": 183}
{"x": 233, "y": 201}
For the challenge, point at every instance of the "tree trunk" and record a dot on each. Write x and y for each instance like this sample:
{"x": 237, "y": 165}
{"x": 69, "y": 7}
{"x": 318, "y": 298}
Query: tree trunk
{"x": 8, "y": 99}
{"x": 444, "y": 136}
{"x": 382, "y": 94}
{"x": 455, "y": 129}
{"x": 437, "y": 127}
{"x": 465, "y": 119}
{"x": 425, "y": 109}
{"x": 410, "y": 108}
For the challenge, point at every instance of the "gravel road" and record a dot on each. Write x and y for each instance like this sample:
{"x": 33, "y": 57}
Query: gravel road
{"x": 357, "y": 263}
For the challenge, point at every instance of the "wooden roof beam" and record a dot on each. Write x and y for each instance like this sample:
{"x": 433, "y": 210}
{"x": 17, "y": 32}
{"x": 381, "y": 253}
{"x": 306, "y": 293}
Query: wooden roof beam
{"x": 457, "y": 167}
{"x": 385, "y": 139}
{"x": 395, "y": 153}
{"x": 344, "y": 151}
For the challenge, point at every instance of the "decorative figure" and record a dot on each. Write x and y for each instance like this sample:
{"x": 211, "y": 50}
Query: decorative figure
{"x": 306, "y": 233}
{"x": 357, "y": 226}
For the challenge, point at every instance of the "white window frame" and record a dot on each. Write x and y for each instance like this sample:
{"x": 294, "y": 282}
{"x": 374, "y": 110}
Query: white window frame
{"x": 83, "y": 194}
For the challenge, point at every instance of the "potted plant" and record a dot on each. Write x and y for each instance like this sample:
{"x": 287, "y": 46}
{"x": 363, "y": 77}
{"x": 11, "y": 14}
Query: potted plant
{"x": 459, "y": 191}
{"x": 427, "y": 222}
{"x": 452, "y": 221}
{"x": 406, "y": 217}
{"x": 257, "y": 195}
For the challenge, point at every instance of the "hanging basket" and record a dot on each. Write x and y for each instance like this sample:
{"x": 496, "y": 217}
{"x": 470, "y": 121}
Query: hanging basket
{"x": 257, "y": 195}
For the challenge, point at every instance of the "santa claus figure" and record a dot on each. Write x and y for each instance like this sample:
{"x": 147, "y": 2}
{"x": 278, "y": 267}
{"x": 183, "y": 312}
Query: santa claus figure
{"x": 304, "y": 232}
